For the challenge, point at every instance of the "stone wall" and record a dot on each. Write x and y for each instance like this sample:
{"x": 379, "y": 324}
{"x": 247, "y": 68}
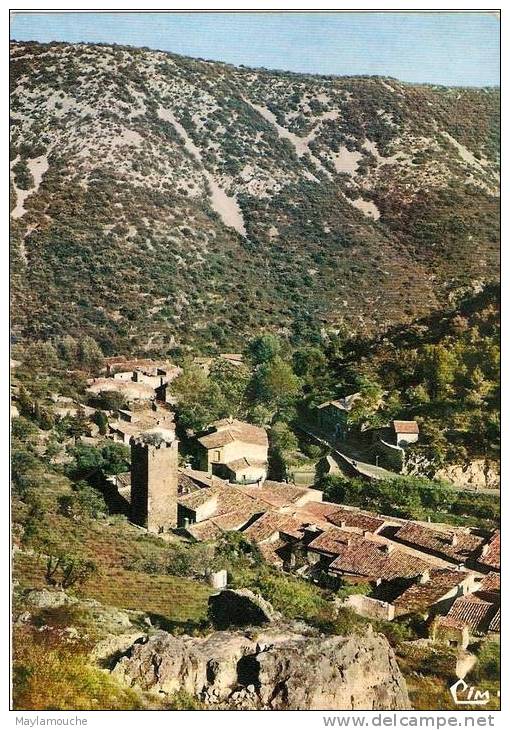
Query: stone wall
{"x": 154, "y": 484}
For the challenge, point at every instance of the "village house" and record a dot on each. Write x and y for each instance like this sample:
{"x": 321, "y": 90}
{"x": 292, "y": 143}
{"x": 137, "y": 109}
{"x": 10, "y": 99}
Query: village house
{"x": 234, "y": 450}
{"x": 332, "y": 415}
{"x": 489, "y": 556}
{"x": 434, "y": 592}
{"x": 456, "y": 545}
{"x": 450, "y": 631}
{"x": 296, "y": 531}
{"x": 362, "y": 558}
{"x": 405, "y": 432}
{"x": 129, "y": 423}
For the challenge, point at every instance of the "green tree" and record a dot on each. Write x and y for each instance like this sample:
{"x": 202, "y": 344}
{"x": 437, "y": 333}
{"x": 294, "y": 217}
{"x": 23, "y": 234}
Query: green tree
{"x": 90, "y": 354}
{"x": 275, "y": 384}
{"x": 101, "y": 420}
{"x": 233, "y": 381}
{"x": 264, "y": 348}
{"x": 200, "y": 401}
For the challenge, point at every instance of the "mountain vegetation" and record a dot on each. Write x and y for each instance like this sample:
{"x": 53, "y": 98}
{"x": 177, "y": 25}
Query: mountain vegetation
{"x": 163, "y": 202}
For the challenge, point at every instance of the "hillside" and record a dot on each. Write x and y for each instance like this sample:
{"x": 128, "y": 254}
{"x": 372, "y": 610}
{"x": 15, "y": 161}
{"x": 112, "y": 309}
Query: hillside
{"x": 159, "y": 200}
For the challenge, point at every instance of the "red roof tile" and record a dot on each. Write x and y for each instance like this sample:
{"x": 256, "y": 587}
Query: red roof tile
{"x": 456, "y": 544}
{"x": 490, "y": 555}
{"x": 420, "y": 596}
{"x": 473, "y": 611}
{"x": 405, "y": 427}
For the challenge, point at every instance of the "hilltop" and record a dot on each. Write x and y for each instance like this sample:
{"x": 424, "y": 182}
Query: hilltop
{"x": 162, "y": 201}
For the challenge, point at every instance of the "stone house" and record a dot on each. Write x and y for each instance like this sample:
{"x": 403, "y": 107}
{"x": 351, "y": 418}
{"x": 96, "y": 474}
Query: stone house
{"x": 449, "y": 631}
{"x": 434, "y": 592}
{"x": 405, "y": 432}
{"x": 332, "y": 415}
{"x": 234, "y": 450}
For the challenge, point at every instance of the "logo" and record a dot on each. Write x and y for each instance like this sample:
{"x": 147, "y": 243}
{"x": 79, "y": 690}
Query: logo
{"x": 465, "y": 694}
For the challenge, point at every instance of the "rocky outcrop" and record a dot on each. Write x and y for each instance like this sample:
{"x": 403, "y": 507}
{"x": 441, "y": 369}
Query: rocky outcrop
{"x": 281, "y": 668}
{"x": 239, "y": 607}
{"x": 477, "y": 474}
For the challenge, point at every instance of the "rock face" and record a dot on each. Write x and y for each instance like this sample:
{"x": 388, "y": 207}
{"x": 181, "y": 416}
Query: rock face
{"x": 239, "y": 607}
{"x": 280, "y": 668}
{"x": 477, "y": 474}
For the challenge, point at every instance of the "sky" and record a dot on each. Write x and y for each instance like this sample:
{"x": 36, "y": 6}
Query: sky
{"x": 455, "y": 49}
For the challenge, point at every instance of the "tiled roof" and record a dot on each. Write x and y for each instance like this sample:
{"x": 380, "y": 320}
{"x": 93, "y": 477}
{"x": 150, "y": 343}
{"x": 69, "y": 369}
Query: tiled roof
{"x": 456, "y": 545}
{"x": 242, "y": 431}
{"x": 331, "y": 542}
{"x": 216, "y": 440}
{"x": 355, "y": 519}
{"x": 227, "y": 499}
{"x": 490, "y": 555}
{"x": 473, "y": 611}
{"x": 449, "y": 622}
{"x": 420, "y": 596}
{"x": 319, "y": 510}
{"x": 243, "y": 463}
{"x": 491, "y": 583}
{"x": 270, "y": 524}
{"x": 405, "y": 427}
{"x": 374, "y": 561}
{"x": 270, "y": 552}
{"x": 234, "y": 520}
{"x": 495, "y": 624}
{"x": 276, "y": 494}
{"x": 194, "y": 478}
{"x": 203, "y": 531}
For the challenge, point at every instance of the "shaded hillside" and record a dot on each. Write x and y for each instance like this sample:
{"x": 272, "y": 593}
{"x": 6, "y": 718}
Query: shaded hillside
{"x": 161, "y": 200}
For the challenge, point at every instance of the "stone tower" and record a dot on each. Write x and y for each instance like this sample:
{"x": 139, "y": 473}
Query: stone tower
{"x": 154, "y": 462}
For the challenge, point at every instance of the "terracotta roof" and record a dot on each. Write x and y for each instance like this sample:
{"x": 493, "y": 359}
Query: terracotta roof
{"x": 230, "y": 429}
{"x": 331, "y": 542}
{"x": 234, "y": 520}
{"x": 356, "y": 519}
{"x": 319, "y": 510}
{"x": 269, "y": 551}
{"x": 491, "y": 583}
{"x": 374, "y": 561}
{"x": 495, "y": 624}
{"x": 124, "y": 479}
{"x": 490, "y": 555}
{"x": 456, "y": 545}
{"x": 420, "y": 596}
{"x": 405, "y": 427}
{"x": 216, "y": 440}
{"x": 227, "y": 499}
{"x": 271, "y": 524}
{"x": 474, "y": 612}
{"x": 243, "y": 463}
{"x": 449, "y": 622}
{"x": 203, "y": 531}
{"x": 195, "y": 478}
{"x": 276, "y": 494}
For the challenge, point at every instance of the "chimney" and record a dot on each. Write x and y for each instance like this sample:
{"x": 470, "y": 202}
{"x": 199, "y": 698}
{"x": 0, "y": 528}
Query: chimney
{"x": 387, "y": 548}
{"x": 485, "y": 549}
{"x": 454, "y": 540}
{"x": 424, "y": 577}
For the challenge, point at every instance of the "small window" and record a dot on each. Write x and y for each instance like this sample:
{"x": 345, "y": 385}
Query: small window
{"x": 217, "y": 455}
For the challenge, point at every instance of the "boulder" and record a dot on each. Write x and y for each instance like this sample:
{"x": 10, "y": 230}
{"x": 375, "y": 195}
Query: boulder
{"x": 276, "y": 668}
{"x": 239, "y": 608}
